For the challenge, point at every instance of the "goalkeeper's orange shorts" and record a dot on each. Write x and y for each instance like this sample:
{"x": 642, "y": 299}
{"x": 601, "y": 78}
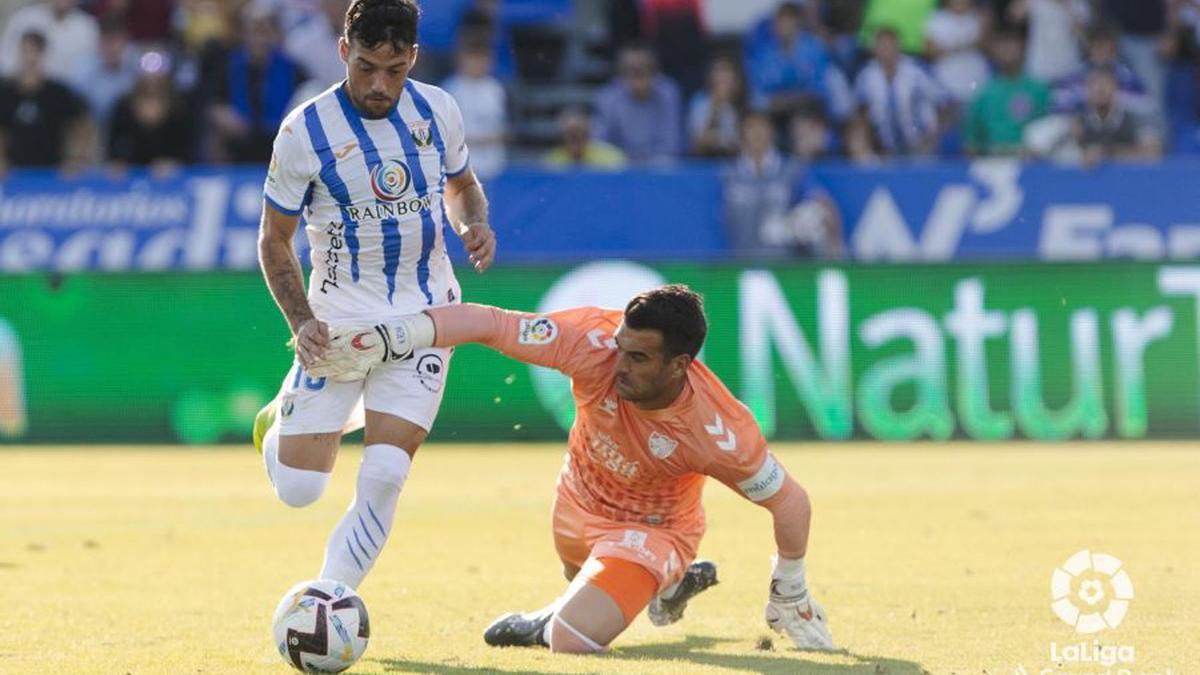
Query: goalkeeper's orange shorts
{"x": 664, "y": 553}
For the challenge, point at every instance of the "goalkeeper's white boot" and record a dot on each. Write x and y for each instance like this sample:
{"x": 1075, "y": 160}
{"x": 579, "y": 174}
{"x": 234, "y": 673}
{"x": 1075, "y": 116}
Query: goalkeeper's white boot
{"x": 667, "y": 608}
{"x": 262, "y": 423}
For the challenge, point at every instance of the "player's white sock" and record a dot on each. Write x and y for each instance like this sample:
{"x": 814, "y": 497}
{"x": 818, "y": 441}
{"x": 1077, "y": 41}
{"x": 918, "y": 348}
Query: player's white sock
{"x": 358, "y": 539}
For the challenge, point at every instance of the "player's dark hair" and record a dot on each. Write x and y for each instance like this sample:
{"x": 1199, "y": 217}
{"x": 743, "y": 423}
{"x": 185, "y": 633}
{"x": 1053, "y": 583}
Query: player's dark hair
{"x": 372, "y": 23}
{"x": 677, "y": 312}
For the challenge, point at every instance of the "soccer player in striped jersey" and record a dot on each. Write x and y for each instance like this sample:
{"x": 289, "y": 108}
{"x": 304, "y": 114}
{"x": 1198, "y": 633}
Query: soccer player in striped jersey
{"x": 377, "y": 167}
{"x": 651, "y": 424}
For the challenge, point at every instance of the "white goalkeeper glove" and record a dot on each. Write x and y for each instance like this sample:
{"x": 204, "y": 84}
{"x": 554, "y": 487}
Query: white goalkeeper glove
{"x": 792, "y": 611}
{"x": 355, "y": 350}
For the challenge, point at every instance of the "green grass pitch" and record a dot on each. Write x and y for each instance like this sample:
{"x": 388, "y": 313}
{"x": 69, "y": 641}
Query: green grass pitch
{"x": 929, "y": 558}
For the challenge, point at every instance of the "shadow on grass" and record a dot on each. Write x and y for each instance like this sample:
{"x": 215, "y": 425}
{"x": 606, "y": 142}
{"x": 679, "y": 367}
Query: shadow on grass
{"x": 694, "y": 650}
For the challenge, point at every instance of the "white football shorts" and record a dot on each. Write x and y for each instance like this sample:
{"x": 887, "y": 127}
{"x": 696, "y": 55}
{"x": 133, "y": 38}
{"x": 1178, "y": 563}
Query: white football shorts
{"x": 411, "y": 390}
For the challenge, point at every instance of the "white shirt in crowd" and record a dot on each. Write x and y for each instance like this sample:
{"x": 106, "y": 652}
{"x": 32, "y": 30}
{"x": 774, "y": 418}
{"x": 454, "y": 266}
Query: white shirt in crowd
{"x": 70, "y": 42}
{"x": 484, "y": 106}
{"x": 904, "y": 110}
{"x": 313, "y": 45}
{"x": 961, "y": 68}
{"x": 1053, "y": 49}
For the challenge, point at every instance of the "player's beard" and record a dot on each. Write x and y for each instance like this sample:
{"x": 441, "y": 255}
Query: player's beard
{"x": 373, "y": 106}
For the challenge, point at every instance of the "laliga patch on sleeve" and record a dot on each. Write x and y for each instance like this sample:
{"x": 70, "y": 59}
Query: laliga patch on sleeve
{"x": 765, "y": 482}
{"x": 539, "y": 331}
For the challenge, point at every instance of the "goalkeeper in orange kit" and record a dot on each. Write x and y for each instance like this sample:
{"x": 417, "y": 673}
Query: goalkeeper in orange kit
{"x": 652, "y": 423}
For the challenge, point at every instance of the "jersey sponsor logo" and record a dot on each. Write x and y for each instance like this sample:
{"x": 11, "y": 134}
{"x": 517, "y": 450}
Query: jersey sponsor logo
{"x": 341, "y": 154}
{"x": 429, "y": 372}
{"x": 333, "y": 256}
{"x": 398, "y": 209}
{"x": 662, "y": 446}
{"x": 765, "y": 482}
{"x": 539, "y": 331}
{"x": 390, "y": 179}
{"x": 421, "y": 133}
{"x": 607, "y": 453}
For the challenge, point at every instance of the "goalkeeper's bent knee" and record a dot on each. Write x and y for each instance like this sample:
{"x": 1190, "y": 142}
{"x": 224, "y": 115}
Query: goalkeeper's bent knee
{"x": 298, "y": 487}
{"x": 566, "y": 639}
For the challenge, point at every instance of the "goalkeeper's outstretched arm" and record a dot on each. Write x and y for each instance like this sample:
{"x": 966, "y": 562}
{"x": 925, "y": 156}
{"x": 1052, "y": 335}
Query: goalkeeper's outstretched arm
{"x": 792, "y": 513}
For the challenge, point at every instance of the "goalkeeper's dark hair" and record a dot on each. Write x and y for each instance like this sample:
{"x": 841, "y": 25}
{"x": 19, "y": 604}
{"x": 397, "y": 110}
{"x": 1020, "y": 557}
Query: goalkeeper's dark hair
{"x": 677, "y": 312}
{"x": 372, "y": 23}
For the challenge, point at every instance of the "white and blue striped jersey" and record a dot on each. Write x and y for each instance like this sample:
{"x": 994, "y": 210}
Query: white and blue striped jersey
{"x": 371, "y": 192}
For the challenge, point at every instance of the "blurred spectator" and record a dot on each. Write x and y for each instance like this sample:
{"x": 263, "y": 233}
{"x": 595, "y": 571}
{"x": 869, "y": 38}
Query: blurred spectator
{"x": 72, "y": 39}
{"x": 201, "y": 23}
{"x": 996, "y": 121}
{"x": 147, "y": 21}
{"x": 1105, "y": 130}
{"x": 906, "y": 17}
{"x": 953, "y": 36}
{"x": 313, "y": 44}
{"x": 1149, "y": 30}
{"x": 484, "y": 106}
{"x": 640, "y": 112}
{"x": 110, "y": 76}
{"x": 900, "y": 98}
{"x": 787, "y": 63}
{"x": 771, "y": 209}
{"x": 860, "y": 143}
{"x": 676, "y": 29}
{"x": 483, "y": 21}
{"x": 1102, "y": 51}
{"x": 579, "y": 149}
{"x": 811, "y": 138}
{"x": 151, "y": 126}
{"x": 713, "y": 113}
{"x": 42, "y": 122}
{"x": 1055, "y": 29}
{"x": 842, "y": 20}
{"x": 253, "y": 93}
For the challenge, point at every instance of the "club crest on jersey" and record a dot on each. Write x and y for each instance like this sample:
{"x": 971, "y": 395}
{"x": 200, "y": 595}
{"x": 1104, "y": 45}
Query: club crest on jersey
{"x": 390, "y": 180}
{"x": 539, "y": 331}
{"x": 421, "y": 134}
{"x": 662, "y": 446}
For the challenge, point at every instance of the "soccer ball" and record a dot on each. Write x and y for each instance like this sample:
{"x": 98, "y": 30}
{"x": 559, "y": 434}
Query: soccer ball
{"x": 321, "y": 626}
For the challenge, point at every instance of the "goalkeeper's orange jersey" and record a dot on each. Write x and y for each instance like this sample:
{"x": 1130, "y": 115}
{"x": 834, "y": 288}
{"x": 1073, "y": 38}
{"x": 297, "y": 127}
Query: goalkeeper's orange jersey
{"x": 638, "y": 466}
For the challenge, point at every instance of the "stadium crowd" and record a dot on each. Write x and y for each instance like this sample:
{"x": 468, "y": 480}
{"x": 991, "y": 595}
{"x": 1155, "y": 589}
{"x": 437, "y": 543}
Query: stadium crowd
{"x": 166, "y": 83}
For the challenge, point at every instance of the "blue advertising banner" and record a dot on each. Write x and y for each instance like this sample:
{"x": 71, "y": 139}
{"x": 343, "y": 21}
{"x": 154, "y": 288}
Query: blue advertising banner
{"x": 208, "y": 219}
{"x": 988, "y": 209}
{"x": 997, "y": 209}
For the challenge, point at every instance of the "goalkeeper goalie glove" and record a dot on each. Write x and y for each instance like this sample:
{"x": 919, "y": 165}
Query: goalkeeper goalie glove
{"x": 792, "y": 611}
{"x": 355, "y": 350}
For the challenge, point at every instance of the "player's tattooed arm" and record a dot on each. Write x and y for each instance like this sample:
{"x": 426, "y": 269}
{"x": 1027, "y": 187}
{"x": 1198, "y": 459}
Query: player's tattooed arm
{"x": 285, "y": 279}
{"x": 469, "y": 211}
